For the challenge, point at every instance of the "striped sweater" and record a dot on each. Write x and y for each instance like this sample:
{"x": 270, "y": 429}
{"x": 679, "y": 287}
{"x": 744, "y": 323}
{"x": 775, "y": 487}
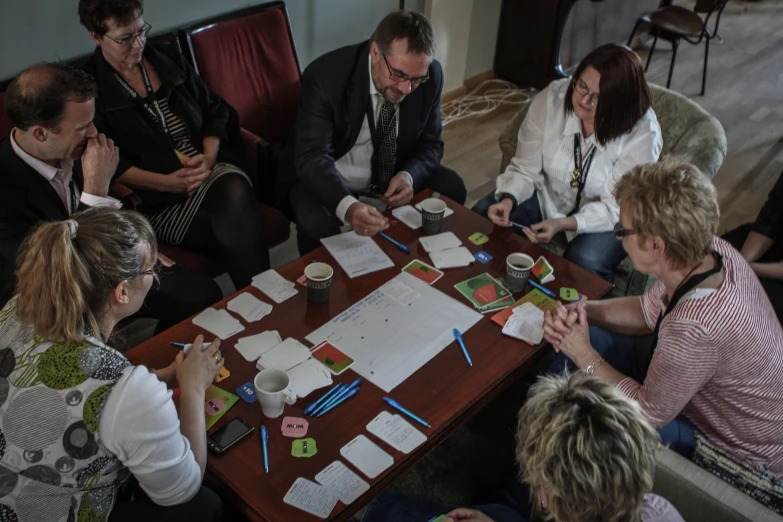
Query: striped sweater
{"x": 719, "y": 361}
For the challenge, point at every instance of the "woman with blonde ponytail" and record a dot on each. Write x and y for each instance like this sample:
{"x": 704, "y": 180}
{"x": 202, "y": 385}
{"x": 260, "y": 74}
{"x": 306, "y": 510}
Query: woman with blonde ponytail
{"x": 76, "y": 418}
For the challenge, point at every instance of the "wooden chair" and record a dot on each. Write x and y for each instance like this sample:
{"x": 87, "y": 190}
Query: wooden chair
{"x": 673, "y": 23}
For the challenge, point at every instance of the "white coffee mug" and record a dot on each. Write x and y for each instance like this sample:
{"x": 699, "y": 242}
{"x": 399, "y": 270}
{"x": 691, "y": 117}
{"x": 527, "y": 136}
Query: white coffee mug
{"x": 273, "y": 392}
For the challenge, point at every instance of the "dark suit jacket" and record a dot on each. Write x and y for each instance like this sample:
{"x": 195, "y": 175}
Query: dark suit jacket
{"x": 26, "y": 199}
{"x": 332, "y": 108}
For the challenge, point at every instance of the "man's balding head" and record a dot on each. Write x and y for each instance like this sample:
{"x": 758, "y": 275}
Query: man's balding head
{"x": 39, "y": 94}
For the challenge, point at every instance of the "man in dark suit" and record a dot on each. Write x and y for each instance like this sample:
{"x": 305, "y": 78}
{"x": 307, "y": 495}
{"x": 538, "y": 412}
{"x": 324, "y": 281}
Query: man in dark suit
{"x": 367, "y": 133}
{"x": 55, "y": 163}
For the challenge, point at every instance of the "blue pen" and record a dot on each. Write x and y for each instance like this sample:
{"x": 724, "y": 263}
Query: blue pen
{"x": 396, "y": 405}
{"x": 342, "y": 393}
{"x": 187, "y": 346}
{"x": 326, "y": 396}
{"x": 458, "y": 336}
{"x": 336, "y": 404}
{"x": 537, "y": 286}
{"x": 395, "y": 243}
{"x": 264, "y": 439}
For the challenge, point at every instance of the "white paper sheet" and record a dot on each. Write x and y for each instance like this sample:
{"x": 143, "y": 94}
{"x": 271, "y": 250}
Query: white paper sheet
{"x": 357, "y": 255}
{"x": 254, "y": 346}
{"x": 526, "y": 324}
{"x": 396, "y": 432}
{"x": 275, "y": 286}
{"x": 311, "y": 497}
{"x": 408, "y": 215}
{"x": 400, "y": 292}
{"x": 438, "y": 242}
{"x": 389, "y": 341}
{"x": 308, "y": 377}
{"x": 367, "y": 456}
{"x": 284, "y": 356}
{"x": 340, "y": 479}
{"x": 249, "y": 307}
{"x": 218, "y": 322}
{"x": 452, "y": 258}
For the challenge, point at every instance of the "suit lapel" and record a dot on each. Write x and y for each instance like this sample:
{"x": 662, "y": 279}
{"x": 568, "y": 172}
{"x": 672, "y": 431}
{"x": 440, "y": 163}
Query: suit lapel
{"x": 41, "y": 196}
{"x": 358, "y": 96}
{"x": 409, "y": 116}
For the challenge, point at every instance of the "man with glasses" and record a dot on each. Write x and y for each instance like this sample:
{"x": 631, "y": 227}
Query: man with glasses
{"x": 367, "y": 133}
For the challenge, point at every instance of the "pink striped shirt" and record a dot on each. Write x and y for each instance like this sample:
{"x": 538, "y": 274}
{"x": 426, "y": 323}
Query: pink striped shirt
{"x": 720, "y": 362}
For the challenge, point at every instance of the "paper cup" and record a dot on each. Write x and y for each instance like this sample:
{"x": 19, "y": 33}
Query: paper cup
{"x": 273, "y": 392}
{"x": 518, "y": 267}
{"x": 319, "y": 281}
{"x": 432, "y": 212}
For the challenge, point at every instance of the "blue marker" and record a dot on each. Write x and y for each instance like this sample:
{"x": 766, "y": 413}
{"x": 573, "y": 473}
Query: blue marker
{"x": 326, "y": 396}
{"x": 342, "y": 393}
{"x": 537, "y": 286}
{"x": 264, "y": 439}
{"x": 458, "y": 337}
{"x": 396, "y": 405}
{"x": 336, "y": 404}
{"x": 395, "y": 243}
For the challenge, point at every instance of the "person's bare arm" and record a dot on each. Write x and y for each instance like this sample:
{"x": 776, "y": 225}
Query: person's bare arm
{"x": 755, "y": 246}
{"x": 621, "y": 315}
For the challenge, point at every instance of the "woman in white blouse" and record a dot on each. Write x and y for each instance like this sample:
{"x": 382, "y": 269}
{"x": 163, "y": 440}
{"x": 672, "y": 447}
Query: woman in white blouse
{"x": 578, "y": 138}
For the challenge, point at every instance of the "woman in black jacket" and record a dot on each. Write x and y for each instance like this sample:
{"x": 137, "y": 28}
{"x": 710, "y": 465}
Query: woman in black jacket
{"x": 180, "y": 147}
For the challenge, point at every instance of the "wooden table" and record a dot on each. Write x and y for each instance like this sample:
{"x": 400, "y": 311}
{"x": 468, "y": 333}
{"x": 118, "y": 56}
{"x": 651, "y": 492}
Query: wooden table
{"x": 446, "y": 391}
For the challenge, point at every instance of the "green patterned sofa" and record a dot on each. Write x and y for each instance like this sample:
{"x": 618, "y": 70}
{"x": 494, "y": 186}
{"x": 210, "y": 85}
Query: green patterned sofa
{"x": 689, "y": 133}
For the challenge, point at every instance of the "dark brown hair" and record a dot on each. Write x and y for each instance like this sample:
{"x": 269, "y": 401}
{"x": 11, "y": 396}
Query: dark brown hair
{"x": 39, "y": 94}
{"x": 624, "y": 96}
{"x": 415, "y": 27}
{"x": 93, "y": 14}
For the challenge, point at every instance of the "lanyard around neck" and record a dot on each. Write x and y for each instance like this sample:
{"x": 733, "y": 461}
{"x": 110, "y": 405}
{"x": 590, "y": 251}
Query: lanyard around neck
{"x": 153, "y": 108}
{"x": 581, "y": 169}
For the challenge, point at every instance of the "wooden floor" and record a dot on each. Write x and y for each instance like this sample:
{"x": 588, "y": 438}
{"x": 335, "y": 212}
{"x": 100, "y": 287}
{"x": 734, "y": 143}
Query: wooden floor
{"x": 744, "y": 91}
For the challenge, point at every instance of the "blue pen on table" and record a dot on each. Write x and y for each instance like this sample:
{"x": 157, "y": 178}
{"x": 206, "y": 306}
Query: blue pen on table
{"x": 396, "y": 405}
{"x": 339, "y": 395}
{"x": 395, "y": 243}
{"x": 336, "y": 404}
{"x": 264, "y": 439}
{"x": 537, "y": 286}
{"x": 458, "y": 337}
{"x": 325, "y": 397}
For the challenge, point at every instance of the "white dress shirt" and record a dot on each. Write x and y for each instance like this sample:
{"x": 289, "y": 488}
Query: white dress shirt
{"x": 60, "y": 180}
{"x": 355, "y": 167}
{"x": 544, "y": 162}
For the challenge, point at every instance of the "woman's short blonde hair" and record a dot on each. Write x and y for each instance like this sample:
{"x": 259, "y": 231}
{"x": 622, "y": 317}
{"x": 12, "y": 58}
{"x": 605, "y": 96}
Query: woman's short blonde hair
{"x": 674, "y": 201}
{"x": 588, "y": 447}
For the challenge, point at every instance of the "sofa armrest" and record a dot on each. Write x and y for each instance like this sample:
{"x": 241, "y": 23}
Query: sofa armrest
{"x": 261, "y": 159}
{"x": 125, "y": 194}
{"x": 698, "y": 495}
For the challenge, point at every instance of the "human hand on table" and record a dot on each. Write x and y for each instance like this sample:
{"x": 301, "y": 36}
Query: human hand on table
{"x": 365, "y": 219}
{"x": 468, "y": 514}
{"x": 567, "y": 329}
{"x": 198, "y": 368}
{"x": 400, "y": 190}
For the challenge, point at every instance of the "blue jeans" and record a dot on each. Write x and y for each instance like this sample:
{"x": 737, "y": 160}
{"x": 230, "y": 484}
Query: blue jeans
{"x": 630, "y": 355}
{"x": 394, "y": 507}
{"x": 598, "y": 253}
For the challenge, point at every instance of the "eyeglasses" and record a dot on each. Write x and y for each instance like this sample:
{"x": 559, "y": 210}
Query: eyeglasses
{"x": 399, "y": 77}
{"x": 128, "y": 39}
{"x": 621, "y": 232}
{"x": 583, "y": 90}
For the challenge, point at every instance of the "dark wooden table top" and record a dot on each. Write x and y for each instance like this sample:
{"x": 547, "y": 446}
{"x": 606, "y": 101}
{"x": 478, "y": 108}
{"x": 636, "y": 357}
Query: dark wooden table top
{"x": 446, "y": 391}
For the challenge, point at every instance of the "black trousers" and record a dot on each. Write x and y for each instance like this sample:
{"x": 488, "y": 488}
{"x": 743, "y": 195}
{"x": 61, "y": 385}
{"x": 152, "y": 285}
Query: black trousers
{"x": 206, "y": 506}
{"x": 179, "y": 294}
{"x": 314, "y": 222}
{"x": 773, "y": 287}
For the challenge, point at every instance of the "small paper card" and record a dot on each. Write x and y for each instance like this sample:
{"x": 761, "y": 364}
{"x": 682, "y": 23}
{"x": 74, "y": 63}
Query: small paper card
{"x": 214, "y": 406}
{"x": 537, "y": 297}
{"x": 452, "y": 258}
{"x": 408, "y": 215}
{"x": 438, "y": 242}
{"x": 222, "y": 397}
{"x": 308, "y": 377}
{"x": 311, "y": 498}
{"x": 543, "y": 270}
{"x": 483, "y": 256}
{"x": 478, "y": 238}
{"x": 366, "y": 456}
{"x": 218, "y": 322}
{"x": 222, "y": 374}
{"x": 305, "y": 448}
{"x": 396, "y": 432}
{"x": 526, "y": 324}
{"x": 482, "y": 290}
{"x": 569, "y": 294}
{"x": 284, "y": 356}
{"x": 275, "y": 286}
{"x": 445, "y": 215}
{"x": 249, "y": 307}
{"x": 498, "y": 305}
{"x": 254, "y": 346}
{"x": 331, "y": 357}
{"x": 295, "y": 427}
{"x": 423, "y": 271}
{"x": 339, "y": 478}
{"x": 247, "y": 392}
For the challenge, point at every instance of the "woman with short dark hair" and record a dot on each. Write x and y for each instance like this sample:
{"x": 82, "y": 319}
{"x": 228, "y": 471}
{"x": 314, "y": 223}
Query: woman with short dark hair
{"x": 180, "y": 145}
{"x": 579, "y": 137}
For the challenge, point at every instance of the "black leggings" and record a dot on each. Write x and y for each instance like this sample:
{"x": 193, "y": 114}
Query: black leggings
{"x": 228, "y": 225}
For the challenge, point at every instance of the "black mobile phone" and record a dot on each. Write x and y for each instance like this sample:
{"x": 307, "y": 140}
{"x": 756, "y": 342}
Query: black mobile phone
{"x": 228, "y": 435}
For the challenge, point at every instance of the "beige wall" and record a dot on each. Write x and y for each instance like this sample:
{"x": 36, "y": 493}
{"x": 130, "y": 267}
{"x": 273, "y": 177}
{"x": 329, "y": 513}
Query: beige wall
{"x": 451, "y": 20}
{"x": 483, "y": 36}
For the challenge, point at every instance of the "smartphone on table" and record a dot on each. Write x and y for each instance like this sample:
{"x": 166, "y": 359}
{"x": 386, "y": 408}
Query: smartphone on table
{"x": 228, "y": 435}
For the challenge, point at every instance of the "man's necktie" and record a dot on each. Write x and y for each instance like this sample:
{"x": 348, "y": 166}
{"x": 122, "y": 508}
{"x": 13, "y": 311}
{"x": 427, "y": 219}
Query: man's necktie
{"x": 62, "y": 189}
{"x": 385, "y": 147}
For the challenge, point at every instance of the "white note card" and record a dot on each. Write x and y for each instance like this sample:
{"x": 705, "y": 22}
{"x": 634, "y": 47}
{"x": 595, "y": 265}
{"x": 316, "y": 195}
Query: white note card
{"x": 218, "y": 322}
{"x": 275, "y": 286}
{"x": 340, "y": 479}
{"x": 526, "y": 324}
{"x": 445, "y": 215}
{"x": 311, "y": 497}
{"x": 249, "y": 307}
{"x": 408, "y": 215}
{"x": 254, "y": 346}
{"x": 284, "y": 356}
{"x": 452, "y": 258}
{"x": 438, "y": 242}
{"x": 367, "y": 456}
{"x": 396, "y": 432}
{"x": 308, "y": 376}
{"x": 357, "y": 255}
{"x": 400, "y": 292}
